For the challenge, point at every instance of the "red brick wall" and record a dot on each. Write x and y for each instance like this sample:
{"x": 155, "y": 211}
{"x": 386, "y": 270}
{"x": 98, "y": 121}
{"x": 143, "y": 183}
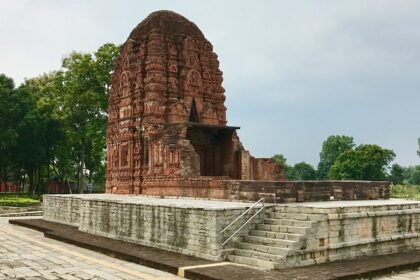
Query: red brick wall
{"x": 8, "y": 187}
{"x": 273, "y": 191}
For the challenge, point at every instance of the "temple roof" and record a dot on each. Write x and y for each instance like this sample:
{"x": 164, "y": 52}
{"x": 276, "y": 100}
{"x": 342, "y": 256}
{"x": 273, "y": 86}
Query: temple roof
{"x": 203, "y": 125}
{"x": 167, "y": 22}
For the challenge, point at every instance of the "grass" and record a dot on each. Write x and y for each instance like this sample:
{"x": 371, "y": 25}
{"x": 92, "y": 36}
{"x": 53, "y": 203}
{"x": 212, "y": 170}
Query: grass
{"x": 405, "y": 191}
{"x": 18, "y": 200}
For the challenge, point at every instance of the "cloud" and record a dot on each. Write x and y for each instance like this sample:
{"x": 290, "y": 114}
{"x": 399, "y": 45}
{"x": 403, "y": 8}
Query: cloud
{"x": 295, "y": 72}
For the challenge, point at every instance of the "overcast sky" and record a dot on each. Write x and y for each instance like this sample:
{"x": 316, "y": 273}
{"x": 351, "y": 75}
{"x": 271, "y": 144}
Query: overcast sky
{"x": 295, "y": 72}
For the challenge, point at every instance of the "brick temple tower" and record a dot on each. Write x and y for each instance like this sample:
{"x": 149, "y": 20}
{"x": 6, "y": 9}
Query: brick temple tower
{"x": 167, "y": 132}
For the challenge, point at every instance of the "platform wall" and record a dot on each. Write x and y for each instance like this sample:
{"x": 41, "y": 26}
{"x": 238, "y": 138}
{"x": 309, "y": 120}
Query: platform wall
{"x": 192, "y": 231}
{"x": 64, "y": 209}
{"x": 349, "y": 232}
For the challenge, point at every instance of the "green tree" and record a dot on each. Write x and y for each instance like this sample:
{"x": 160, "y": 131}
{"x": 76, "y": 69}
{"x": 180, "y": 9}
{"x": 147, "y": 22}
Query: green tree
{"x": 418, "y": 151}
{"x": 414, "y": 175}
{"x": 27, "y": 134}
{"x": 332, "y": 148}
{"x": 47, "y": 121}
{"x": 279, "y": 158}
{"x": 6, "y": 82}
{"x": 57, "y": 122}
{"x": 365, "y": 162}
{"x": 304, "y": 171}
{"x": 9, "y": 115}
{"x": 397, "y": 174}
{"x": 86, "y": 81}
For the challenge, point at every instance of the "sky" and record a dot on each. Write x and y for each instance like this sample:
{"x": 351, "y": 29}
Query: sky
{"x": 295, "y": 72}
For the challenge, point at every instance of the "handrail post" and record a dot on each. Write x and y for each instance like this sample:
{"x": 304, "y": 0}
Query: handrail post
{"x": 263, "y": 207}
{"x": 261, "y": 200}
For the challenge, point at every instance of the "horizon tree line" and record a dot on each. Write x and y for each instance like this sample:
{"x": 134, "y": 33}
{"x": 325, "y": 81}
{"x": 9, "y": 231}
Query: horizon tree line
{"x": 53, "y": 127}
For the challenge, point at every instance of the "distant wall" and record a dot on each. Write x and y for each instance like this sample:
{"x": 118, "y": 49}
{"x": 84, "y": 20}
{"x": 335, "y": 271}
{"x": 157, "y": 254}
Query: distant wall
{"x": 273, "y": 191}
{"x": 300, "y": 191}
{"x": 261, "y": 169}
{"x": 8, "y": 187}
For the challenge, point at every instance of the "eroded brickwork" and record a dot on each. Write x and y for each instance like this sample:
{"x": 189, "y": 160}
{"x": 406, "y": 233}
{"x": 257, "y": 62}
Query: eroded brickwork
{"x": 167, "y": 116}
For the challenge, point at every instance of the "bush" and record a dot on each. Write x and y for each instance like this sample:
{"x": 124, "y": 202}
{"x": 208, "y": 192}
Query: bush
{"x": 18, "y": 200}
{"x": 405, "y": 191}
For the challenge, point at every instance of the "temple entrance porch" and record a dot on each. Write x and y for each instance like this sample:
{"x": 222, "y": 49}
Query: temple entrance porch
{"x": 214, "y": 146}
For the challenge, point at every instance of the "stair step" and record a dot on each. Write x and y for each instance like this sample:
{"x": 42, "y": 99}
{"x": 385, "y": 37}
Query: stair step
{"x": 282, "y": 228}
{"x": 279, "y": 235}
{"x": 296, "y": 216}
{"x": 284, "y": 243}
{"x": 257, "y": 255}
{"x": 287, "y": 222}
{"x": 275, "y": 250}
{"x": 252, "y": 261}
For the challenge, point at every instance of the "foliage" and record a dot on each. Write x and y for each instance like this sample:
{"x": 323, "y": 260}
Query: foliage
{"x": 303, "y": 171}
{"x": 332, "y": 148}
{"x": 17, "y": 200}
{"x": 413, "y": 175}
{"x": 84, "y": 83}
{"x": 397, "y": 174}
{"x": 299, "y": 171}
{"x": 288, "y": 170}
{"x": 6, "y": 83}
{"x": 365, "y": 162}
{"x": 405, "y": 191}
{"x": 418, "y": 151}
{"x": 56, "y": 122}
{"x": 279, "y": 158}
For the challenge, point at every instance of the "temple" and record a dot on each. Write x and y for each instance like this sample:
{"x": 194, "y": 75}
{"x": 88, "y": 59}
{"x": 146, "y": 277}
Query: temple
{"x": 167, "y": 129}
{"x": 168, "y": 139}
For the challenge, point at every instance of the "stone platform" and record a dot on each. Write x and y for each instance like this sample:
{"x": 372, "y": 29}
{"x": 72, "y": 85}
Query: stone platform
{"x": 184, "y": 225}
{"x": 283, "y": 235}
{"x": 300, "y": 234}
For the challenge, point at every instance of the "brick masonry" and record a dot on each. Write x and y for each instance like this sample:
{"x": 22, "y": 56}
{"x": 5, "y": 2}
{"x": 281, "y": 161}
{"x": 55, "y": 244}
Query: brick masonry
{"x": 272, "y": 191}
{"x": 167, "y": 113}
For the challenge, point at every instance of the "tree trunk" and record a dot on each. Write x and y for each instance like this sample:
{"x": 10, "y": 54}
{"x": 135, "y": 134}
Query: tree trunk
{"x": 31, "y": 184}
{"x": 48, "y": 178}
{"x": 38, "y": 181}
{"x": 82, "y": 162}
{"x": 22, "y": 184}
{"x": 90, "y": 176}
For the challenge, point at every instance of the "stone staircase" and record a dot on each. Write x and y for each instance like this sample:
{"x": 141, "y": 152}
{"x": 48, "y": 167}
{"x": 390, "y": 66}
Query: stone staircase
{"x": 275, "y": 240}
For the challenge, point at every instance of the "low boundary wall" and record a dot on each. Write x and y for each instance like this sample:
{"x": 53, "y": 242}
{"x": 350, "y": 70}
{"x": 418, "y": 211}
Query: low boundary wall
{"x": 272, "y": 191}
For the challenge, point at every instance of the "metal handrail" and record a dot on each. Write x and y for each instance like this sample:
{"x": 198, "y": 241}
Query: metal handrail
{"x": 249, "y": 209}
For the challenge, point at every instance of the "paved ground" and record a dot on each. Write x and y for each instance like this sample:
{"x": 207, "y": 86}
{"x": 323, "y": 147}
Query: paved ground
{"x": 408, "y": 275}
{"x": 27, "y": 254}
{"x": 26, "y": 249}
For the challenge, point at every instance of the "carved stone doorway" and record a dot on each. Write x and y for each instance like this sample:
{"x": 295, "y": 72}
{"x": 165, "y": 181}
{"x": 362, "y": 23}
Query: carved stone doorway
{"x": 213, "y": 144}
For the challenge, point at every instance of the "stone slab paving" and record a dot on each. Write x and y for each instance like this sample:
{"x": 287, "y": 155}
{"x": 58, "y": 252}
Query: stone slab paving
{"x": 363, "y": 268}
{"x": 405, "y": 275}
{"x": 27, "y": 254}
